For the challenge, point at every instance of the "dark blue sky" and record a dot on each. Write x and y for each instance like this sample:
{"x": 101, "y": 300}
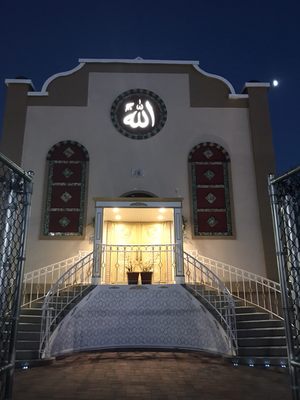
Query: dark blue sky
{"x": 258, "y": 39}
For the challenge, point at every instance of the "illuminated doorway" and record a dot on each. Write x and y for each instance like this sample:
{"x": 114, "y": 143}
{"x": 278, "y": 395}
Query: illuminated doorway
{"x": 137, "y": 236}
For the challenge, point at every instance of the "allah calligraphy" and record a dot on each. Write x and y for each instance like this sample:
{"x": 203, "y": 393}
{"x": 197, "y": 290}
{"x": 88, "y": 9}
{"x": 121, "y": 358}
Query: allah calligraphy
{"x": 141, "y": 117}
{"x": 138, "y": 113}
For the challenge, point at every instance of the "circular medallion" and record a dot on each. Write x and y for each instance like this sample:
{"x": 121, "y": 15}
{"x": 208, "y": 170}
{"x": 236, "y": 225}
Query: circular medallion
{"x": 138, "y": 113}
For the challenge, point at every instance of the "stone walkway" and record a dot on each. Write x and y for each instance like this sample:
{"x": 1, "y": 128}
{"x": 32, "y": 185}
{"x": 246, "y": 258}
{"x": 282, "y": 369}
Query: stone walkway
{"x": 149, "y": 375}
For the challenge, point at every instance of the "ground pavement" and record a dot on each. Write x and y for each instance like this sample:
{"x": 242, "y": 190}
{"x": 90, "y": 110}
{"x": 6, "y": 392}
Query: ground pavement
{"x": 149, "y": 375}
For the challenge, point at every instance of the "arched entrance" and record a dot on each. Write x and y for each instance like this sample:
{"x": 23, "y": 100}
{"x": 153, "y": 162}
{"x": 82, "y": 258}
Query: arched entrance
{"x": 140, "y": 234}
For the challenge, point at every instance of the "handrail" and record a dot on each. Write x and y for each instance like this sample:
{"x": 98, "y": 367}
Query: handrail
{"x": 36, "y": 283}
{"x": 251, "y": 288}
{"x": 204, "y": 283}
{"x": 116, "y": 260}
{"x": 64, "y": 291}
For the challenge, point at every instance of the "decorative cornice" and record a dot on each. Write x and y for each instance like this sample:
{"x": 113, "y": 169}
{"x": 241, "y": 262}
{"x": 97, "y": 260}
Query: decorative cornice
{"x": 19, "y": 81}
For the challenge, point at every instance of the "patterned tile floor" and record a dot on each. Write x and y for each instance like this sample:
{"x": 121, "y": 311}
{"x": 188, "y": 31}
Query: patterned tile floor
{"x": 149, "y": 375}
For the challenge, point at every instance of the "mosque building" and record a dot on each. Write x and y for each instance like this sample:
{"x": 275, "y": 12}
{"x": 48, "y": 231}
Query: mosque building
{"x": 144, "y": 153}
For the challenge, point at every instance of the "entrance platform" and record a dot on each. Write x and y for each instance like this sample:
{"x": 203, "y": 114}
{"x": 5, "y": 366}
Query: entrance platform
{"x": 139, "y": 316}
{"x": 149, "y": 376}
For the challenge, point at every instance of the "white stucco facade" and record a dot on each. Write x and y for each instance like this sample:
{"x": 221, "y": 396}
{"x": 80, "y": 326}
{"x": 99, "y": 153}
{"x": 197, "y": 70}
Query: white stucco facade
{"x": 163, "y": 159}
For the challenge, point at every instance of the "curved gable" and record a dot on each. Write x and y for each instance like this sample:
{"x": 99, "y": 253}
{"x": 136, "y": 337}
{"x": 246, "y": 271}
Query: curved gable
{"x": 71, "y": 87}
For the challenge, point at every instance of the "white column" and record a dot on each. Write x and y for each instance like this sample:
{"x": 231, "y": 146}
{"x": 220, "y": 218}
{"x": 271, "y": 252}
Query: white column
{"x": 97, "y": 246}
{"x": 179, "y": 278}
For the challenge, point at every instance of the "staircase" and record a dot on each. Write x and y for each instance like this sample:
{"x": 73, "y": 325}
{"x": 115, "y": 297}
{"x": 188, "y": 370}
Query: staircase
{"x": 261, "y": 340}
{"x": 28, "y": 336}
{"x": 260, "y": 334}
{"x": 29, "y": 326}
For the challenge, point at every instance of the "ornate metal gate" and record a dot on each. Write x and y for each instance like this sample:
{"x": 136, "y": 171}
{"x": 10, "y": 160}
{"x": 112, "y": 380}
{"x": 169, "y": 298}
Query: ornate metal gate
{"x": 15, "y": 193}
{"x": 285, "y": 200}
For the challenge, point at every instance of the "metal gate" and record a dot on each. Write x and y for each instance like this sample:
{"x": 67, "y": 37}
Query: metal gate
{"x": 15, "y": 194}
{"x": 285, "y": 199}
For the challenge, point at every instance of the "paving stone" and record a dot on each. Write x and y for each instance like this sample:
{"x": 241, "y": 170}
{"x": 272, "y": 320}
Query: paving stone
{"x": 149, "y": 376}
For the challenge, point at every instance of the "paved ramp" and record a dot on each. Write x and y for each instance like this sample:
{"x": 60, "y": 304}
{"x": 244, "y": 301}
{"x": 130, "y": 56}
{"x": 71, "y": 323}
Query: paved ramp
{"x": 157, "y": 316}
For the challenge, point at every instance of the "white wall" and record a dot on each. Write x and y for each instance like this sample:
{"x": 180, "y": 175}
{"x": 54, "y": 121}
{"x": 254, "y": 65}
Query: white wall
{"x": 163, "y": 158}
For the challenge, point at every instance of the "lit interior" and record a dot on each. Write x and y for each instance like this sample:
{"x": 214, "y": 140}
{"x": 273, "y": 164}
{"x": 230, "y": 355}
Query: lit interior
{"x": 140, "y": 237}
{"x": 143, "y": 226}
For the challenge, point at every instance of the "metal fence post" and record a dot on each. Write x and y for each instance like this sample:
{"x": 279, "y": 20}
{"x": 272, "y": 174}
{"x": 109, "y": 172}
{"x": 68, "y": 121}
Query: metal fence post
{"x": 280, "y": 214}
{"x": 15, "y": 195}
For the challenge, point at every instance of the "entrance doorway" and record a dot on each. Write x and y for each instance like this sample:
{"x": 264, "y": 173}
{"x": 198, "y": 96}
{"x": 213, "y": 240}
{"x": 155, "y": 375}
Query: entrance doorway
{"x": 137, "y": 235}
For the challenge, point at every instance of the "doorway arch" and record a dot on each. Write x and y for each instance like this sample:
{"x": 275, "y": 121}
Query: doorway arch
{"x": 138, "y": 193}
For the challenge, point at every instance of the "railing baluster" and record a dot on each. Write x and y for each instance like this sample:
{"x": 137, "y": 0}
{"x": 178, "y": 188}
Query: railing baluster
{"x": 221, "y": 301}
{"x": 238, "y": 285}
{"x": 57, "y": 298}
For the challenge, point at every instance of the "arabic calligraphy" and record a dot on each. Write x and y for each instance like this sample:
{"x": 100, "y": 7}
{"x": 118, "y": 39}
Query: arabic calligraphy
{"x": 140, "y": 115}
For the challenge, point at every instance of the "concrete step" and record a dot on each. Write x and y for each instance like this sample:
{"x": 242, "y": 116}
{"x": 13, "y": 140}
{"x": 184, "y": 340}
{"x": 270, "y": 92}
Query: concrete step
{"x": 30, "y": 311}
{"x": 29, "y": 327}
{"x": 244, "y": 309}
{"x": 251, "y": 324}
{"x": 261, "y": 332}
{"x": 264, "y": 351}
{"x": 27, "y": 345}
{"x": 28, "y": 335}
{"x": 252, "y": 316}
{"x": 262, "y": 341}
{"x": 28, "y": 318}
{"x": 22, "y": 355}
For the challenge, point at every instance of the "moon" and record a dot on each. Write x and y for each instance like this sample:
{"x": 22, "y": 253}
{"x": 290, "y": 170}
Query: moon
{"x": 275, "y": 82}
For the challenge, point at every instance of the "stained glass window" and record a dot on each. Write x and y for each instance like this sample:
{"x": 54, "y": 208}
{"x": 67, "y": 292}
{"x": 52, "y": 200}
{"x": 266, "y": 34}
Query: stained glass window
{"x": 66, "y": 189}
{"x": 210, "y": 189}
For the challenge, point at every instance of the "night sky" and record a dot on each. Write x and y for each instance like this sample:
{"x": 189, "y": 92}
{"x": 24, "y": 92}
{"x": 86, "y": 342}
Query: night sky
{"x": 239, "y": 40}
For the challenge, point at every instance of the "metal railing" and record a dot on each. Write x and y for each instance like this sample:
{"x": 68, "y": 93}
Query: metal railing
{"x": 285, "y": 202}
{"x": 15, "y": 196}
{"x": 117, "y": 260}
{"x": 37, "y": 283}
{"x": 204, "y": 283}
{"x": 251, "y": 288}
{"x": 69, "y": 287}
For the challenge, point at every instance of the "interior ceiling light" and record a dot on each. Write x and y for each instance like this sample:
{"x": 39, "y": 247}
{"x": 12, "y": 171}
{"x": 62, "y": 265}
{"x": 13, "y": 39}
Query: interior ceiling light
{"x": 162, "y": 210}
{"x": 115, "y": 210}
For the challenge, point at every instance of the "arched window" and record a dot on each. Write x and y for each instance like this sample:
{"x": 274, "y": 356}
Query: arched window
{"x": 66, "y": 189}
{"x": 211, "y": 208}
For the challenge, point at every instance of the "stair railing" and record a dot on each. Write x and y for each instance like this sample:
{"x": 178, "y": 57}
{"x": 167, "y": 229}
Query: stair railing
{"x": 205, "y": 284}
{"x": 70, "y": 286}
{"x": 37, "y": 283}
{"x": 251, "y": 288}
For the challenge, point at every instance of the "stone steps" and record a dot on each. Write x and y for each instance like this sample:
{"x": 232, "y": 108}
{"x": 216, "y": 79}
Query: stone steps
{"x": 261, "y": 339}
{"x": 29, "y": 329}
